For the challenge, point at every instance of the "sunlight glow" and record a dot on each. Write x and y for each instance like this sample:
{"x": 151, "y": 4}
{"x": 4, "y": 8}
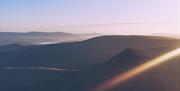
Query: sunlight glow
{"x": 137, "y": 70}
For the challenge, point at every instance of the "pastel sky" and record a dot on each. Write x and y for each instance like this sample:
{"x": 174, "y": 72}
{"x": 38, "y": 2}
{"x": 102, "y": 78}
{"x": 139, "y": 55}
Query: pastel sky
{"x": 89, "y": 16}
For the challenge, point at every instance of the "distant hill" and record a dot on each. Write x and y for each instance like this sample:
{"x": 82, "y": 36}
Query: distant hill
{"x": 40, "y": 38}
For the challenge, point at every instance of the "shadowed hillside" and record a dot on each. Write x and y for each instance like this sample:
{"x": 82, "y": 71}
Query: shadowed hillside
{"x": 161, "y": 78}
{"x": 78, "y": 54}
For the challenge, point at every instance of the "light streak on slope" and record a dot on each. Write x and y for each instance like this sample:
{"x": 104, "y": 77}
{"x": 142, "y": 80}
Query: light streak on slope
{"x": 36, "y": 68}
{"x": 137, "y": 70}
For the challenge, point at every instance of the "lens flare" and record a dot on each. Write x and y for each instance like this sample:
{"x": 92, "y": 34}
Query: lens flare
{"x": 137, "y": 70}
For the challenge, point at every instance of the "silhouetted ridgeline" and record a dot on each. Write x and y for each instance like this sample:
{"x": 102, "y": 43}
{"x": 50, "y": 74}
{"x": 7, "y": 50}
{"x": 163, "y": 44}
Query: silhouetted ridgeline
{"x": 77, "y": 54}
{"x": 49, "y": 67}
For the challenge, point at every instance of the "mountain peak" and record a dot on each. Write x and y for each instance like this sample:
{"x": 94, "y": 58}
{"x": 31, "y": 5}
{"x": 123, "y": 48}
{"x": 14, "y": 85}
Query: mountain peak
{"x": 126, "y": 59}
{"x": 127, "y": 56}
{"x": 128, "y": 53}
{"x": 129, "y": 50}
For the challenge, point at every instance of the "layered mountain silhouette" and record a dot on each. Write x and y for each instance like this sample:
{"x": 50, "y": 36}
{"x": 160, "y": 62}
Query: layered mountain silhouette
{"x": 41, "y": 38}
{"x": 79, "y": 54}
{"x": 97, "y": 60}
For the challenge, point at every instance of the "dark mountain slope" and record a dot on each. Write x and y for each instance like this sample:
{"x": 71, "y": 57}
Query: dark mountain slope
{"x": 128, "y": 56}
{"x": 161, "y": 78}
{"x": 79, "y": 54}
{"x": 164, "y": 77}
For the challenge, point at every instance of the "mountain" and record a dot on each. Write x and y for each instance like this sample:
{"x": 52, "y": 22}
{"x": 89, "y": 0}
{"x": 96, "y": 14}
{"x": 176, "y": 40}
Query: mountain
{"x": 155, "y": 79}
{"x": 162, "y": 78}
{"x": 78, "y": 54}
{"x": 97, "y": 60}
{"x": 40, "y": 38}
{"x": 129, "y": 55}
{"x": 121, "y": 62}
{"x": 126, "y": 59}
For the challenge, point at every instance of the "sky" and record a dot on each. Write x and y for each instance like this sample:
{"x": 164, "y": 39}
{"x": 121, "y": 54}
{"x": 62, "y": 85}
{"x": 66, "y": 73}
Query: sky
{"x": 91, "y": 16}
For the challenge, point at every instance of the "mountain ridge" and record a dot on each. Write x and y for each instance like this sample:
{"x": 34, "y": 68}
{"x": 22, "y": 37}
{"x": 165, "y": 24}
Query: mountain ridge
{"x": 76, "y": 54}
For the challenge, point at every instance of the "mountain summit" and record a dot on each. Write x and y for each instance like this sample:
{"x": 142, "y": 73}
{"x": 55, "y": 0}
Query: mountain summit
{"x": 126, "y": 59}
{"x": 127, "y": 56}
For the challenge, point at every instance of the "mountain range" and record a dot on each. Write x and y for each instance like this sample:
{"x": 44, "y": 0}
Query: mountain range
{"x": 95, "y": 60}
{"x": 40, "y": 38}
{"x": 78, "y": 54}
